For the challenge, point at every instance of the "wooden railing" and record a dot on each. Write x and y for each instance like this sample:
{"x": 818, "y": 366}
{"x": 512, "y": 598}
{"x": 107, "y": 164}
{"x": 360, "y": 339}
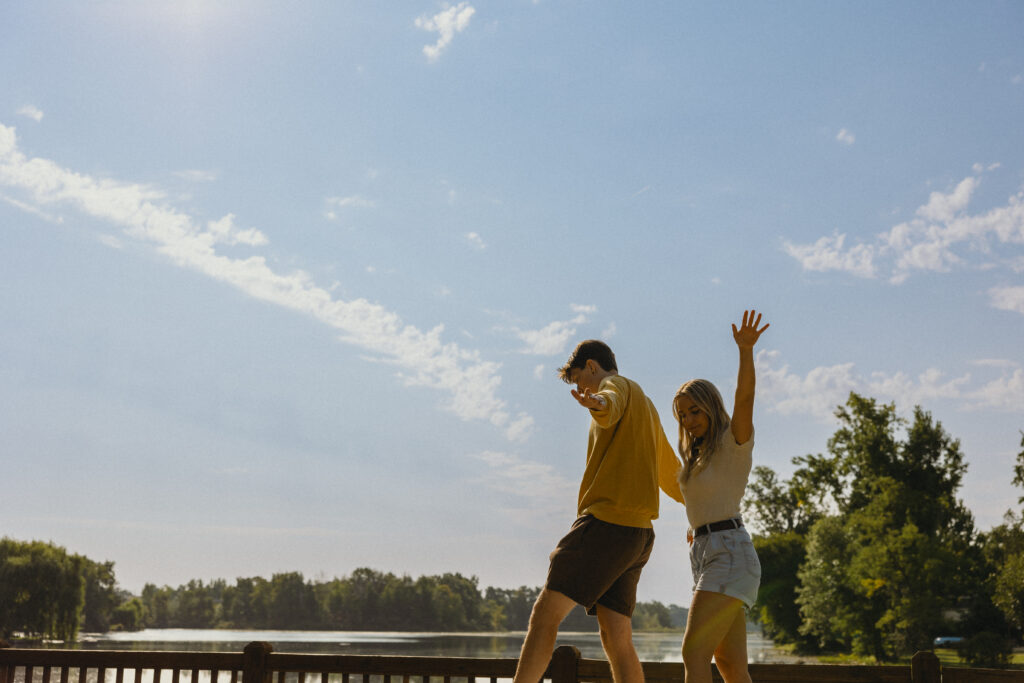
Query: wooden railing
{"x": 258, "y": 663}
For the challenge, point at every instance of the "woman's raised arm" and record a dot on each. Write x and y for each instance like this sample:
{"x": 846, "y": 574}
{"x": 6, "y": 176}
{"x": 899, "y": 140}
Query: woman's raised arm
{"x": 743, "y": 409}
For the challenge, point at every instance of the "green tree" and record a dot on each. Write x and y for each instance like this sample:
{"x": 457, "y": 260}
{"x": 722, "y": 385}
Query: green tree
{"x": 781, "y": 556}
{"x": 1005, "y": 552}
{"x": 651, "y": 616}
{"x": 42, "y": 589}
{"x": 794, "y": 505}
{"x": 101, "y": 598}
{"x": 196, "y": 607}
{"x": 448, "y": 607}
{"x": 903, "y": 531}
{"x": 1009, "y": 590}
{"x": 1018, "y": 469}
{"x": 241, "y": 607}
{"x": 158, "y": 603}
{"x": 293, "y": 603}
{"x": 130, "y": 615}
{"x": 902, "y": 576}
{"x": 882, "y": 544}
{"x": 469, "y": 598}
{"x": 785, "y": 512}
{"x": 516, "y": 605}
{"x": 825, "y": 593}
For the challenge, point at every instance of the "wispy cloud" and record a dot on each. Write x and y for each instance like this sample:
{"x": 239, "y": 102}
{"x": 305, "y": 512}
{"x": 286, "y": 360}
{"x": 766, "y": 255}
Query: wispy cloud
{"x": 830, "y": 253}
{"x": 846, "y": 137}
{"x": 111, "y": 241}
{"x": 1003, "y": 393}
{"x": 31, "y": 112}
{"x": 941, "y": 236}
{"x": 354, "y": 201}
{"x": 143, "y": 214}
{"x": 476, "y": 240}
{"x": 820, "y": 390}
{"x": 31, "y": 208}
{"x": 553, "y": 337}
{"x": 529, "y": 479}
{"x": 194, "y": 175}
{"x": 223, "y": 231}
{"x": 1007, "y": 298}
{"x": 446, "y": 24}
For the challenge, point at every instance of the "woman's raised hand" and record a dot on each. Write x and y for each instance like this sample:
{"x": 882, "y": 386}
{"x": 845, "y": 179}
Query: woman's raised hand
{"x": 747, "y": 334}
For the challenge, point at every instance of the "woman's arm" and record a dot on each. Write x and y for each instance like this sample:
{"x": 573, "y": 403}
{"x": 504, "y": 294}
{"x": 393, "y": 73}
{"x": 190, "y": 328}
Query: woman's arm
{"x": 743, "y": 409}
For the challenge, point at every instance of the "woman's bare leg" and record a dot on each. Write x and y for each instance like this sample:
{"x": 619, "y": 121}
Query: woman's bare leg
{"x": 712, "y": 618}
{"x": 731, "y": 654}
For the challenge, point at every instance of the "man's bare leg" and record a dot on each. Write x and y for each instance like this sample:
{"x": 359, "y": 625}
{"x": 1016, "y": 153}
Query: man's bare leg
{"x": 548, "y": 612}
{"x": 617, "y": 639}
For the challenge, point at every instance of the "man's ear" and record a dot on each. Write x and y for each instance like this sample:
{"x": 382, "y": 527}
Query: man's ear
{"x": 592, "y": 366}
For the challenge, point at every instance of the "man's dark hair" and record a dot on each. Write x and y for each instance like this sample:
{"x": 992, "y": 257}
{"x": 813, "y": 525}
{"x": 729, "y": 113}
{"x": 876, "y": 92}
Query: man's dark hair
{"x": 591, "y": 349}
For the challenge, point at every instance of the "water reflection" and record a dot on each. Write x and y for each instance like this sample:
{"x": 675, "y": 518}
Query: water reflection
{"x": 652, "y": 647}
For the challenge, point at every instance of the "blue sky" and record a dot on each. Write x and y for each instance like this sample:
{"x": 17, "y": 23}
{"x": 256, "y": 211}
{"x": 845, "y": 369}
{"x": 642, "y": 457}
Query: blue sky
{"x": 285, "y": 285}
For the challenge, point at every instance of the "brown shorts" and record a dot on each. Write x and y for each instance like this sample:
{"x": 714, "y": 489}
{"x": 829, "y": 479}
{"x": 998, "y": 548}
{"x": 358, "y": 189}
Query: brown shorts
{"x": 599, "y": 563}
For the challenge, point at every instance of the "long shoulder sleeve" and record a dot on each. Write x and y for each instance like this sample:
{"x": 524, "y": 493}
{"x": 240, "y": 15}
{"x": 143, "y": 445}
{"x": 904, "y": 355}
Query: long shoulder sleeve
{"x": 668, "y": 469}
{"x": 615, "y": 392}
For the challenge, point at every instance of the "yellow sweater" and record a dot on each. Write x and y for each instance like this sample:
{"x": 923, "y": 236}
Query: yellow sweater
{"x": 626, "y": 466}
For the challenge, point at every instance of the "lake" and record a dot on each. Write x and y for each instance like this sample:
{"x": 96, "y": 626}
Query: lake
{"x": 652, "y": 647}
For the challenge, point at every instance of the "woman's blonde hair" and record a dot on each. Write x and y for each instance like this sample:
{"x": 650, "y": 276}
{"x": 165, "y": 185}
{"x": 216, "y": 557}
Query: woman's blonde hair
{"x": 706, "y": 397}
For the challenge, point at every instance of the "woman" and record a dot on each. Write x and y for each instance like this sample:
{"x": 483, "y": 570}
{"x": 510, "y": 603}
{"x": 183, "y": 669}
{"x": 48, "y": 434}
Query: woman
{"x": 716, "y": 453}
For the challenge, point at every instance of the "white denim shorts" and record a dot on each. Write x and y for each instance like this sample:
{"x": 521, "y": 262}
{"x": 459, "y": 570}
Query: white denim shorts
{"x": 726, "y": 562}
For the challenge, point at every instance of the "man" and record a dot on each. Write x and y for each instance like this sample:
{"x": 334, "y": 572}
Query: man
{"x": 599, "y": 561}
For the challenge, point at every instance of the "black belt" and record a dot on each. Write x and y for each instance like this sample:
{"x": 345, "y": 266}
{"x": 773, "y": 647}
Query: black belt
{"x": 718, "y": 526}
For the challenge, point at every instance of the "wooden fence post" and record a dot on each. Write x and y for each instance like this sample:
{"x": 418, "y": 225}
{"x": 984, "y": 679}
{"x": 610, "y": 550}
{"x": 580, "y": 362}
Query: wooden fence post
{"x": 254, "y": 663}
{"x": 3, "y": 668}
{"x": 563, "y": 664}
{"x": 924, "y": 668}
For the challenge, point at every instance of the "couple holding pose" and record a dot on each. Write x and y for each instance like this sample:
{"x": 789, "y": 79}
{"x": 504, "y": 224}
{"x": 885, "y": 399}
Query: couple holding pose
{"x": 599, "y": 561}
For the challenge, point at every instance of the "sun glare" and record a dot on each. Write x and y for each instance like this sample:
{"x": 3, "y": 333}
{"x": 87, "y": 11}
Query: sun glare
{"x": 184, "y": 18}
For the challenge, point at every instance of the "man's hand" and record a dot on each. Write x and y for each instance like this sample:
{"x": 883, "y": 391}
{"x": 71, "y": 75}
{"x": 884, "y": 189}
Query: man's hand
{"x": 589, "y": 400}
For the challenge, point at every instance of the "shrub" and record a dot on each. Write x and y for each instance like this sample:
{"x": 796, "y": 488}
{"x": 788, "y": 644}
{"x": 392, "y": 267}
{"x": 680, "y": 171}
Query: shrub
{"x": 987, "y": 649}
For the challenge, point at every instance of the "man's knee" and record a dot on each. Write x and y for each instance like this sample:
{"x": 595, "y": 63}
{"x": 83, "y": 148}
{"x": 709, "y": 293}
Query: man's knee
{"x": 550, "y": 609}
{"x": 616, "y": 628}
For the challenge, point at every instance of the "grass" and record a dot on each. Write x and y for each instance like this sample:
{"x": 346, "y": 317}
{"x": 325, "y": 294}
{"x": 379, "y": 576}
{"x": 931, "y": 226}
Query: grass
{"x": 948, "y": 657}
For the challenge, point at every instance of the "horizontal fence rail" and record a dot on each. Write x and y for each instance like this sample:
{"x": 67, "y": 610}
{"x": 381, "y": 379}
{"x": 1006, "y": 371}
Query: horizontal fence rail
{"x": 258, "y": 663}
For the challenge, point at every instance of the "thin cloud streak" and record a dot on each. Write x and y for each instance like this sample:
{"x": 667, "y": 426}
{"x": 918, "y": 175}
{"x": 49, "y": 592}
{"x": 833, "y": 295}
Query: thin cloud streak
{"x": 196, "y": 175}
{"x": 423, "y": 357}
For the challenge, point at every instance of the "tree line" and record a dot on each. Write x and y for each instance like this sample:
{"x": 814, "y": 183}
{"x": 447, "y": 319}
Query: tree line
{"x": 46, "y": 592}
{"x": 867, "y": 549}
{"x": 366, "y": 600}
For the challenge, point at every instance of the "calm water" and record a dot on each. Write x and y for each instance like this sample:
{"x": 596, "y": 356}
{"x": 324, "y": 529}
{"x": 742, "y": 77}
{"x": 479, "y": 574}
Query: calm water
{"x": 652, "y": 647}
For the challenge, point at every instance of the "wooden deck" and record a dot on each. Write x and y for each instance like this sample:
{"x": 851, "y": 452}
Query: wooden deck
{"x": 258, "y": 663}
